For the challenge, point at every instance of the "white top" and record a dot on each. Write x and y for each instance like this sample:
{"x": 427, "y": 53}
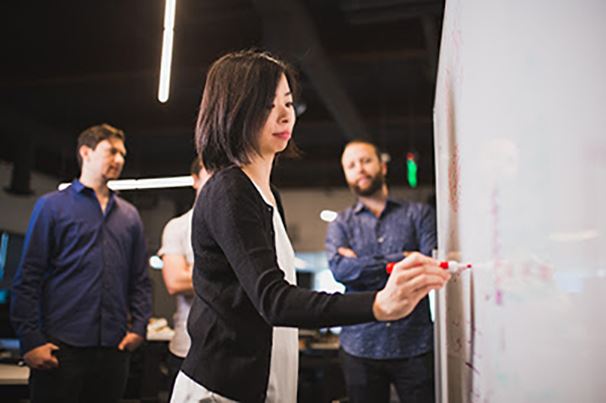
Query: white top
{"x": 284, "y": 366}
{"x": 176, "y": 240}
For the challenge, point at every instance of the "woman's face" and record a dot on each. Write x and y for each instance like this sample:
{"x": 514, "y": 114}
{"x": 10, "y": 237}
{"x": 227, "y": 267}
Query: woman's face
{"x": 277, "y": 130}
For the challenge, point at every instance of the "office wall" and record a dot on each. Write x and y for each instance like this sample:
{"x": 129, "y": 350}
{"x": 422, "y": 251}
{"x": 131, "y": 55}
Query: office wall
{"x": 521, "y": 174}
{"x": 307, "y": 231}
{"x": 303, "y": 208}
{"x": 15, "y": 210}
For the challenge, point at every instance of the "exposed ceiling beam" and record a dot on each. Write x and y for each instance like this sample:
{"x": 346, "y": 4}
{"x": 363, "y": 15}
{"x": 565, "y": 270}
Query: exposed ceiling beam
{"x": 289, "y": 30}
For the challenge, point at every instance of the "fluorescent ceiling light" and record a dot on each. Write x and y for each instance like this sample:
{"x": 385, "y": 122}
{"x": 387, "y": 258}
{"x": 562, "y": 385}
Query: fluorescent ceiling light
{"x": 167, "y": 50}
{"x": 328, "y": 215}
{"x": 148, "y": 183}
{"x": 156, "y": 262}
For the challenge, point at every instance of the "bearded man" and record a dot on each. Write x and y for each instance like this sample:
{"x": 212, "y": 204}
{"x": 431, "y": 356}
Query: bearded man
{"x": 377, "y": 230}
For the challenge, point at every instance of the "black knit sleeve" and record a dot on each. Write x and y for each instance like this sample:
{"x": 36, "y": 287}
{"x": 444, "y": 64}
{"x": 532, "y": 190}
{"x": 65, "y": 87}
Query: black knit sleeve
{"x": 234, "y": 214}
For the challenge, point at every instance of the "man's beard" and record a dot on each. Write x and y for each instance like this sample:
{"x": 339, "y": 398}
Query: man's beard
{"x": 376, "y": 184}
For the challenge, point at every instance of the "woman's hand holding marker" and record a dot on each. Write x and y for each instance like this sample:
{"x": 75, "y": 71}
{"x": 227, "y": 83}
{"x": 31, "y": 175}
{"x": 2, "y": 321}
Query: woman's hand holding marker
{"x": 410, "y": 281}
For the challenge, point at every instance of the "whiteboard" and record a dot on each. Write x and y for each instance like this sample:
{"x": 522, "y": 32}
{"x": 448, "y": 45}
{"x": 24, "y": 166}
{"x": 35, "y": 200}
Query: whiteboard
{"x": 520, "y": 134}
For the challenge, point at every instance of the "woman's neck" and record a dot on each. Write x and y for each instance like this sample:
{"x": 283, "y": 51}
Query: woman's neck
{"x": 259, "y": 171}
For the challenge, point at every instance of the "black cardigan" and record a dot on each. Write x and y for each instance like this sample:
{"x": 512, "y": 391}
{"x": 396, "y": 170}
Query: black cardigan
{"x": 240, "y": 292}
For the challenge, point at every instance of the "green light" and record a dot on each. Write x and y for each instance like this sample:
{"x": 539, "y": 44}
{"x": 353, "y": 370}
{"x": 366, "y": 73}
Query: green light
{"x": 411, "y": 166}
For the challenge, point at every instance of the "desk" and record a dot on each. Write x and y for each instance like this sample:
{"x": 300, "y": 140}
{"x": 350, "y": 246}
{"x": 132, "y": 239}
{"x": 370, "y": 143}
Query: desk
{"x": 11, "y": 374}
{"x": 13, "y": 382}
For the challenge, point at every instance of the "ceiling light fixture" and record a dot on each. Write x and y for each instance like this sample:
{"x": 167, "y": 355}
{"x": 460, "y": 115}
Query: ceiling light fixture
{"x": 156, "y": 262}
{"x": 328, "y": 215}
{"x": 149, "y": 183}
{"x": 167, "y": 50}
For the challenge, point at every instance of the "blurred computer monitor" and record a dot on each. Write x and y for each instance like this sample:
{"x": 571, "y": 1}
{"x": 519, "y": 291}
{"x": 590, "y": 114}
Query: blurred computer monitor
{"x": 11, "y": 245}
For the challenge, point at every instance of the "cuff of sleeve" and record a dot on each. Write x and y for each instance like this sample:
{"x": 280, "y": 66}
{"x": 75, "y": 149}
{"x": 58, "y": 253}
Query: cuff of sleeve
{"x": 31, "y": 340}
{"x": 363, "y": 302}
{"x": 370, "y": 301}
{"x": 140, "y": 328}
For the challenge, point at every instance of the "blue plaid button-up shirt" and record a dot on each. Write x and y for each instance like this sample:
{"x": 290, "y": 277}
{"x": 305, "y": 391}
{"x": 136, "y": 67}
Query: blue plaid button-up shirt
{"x": 402, "y": 226}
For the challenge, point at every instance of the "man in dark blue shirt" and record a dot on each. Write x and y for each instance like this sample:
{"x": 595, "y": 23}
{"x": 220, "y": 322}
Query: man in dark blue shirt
{"x": 359, "y": 243}
{"x": 81, "y": 297}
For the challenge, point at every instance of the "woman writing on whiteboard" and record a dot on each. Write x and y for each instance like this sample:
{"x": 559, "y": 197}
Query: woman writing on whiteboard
{"x": 246, "y": 308}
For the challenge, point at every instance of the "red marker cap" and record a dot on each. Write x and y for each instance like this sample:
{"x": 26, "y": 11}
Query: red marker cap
{"x": 389, "y": 267}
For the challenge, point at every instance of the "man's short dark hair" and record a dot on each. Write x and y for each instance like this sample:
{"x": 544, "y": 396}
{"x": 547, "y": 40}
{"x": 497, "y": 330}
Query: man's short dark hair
{"x": 240, "y": 88}
{"x": 94, "y": 135}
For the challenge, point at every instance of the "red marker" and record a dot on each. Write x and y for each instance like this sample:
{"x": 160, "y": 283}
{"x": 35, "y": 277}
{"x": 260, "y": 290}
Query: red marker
{"x": 452, "y": 266}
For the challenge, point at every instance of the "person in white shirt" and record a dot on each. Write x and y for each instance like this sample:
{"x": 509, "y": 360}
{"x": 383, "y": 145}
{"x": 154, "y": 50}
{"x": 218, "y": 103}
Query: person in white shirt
{"x": 178, "y": 258}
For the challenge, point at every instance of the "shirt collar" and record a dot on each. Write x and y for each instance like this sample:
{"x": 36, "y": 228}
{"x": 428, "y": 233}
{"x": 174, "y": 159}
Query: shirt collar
{"x": 359, "y": 206}
{"x": 77, "y": 186}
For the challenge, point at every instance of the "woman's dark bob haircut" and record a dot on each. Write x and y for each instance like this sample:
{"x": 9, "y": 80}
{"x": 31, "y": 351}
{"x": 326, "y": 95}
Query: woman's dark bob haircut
{"x": 238, "y": 94}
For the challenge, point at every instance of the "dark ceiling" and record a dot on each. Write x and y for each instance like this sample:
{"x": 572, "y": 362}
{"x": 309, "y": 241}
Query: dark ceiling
{"x": 367, "y": 70}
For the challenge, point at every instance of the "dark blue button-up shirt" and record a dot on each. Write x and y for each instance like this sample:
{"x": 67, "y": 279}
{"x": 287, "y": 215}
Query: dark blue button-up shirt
{"x": 83, "y": 277}
{"x": 402, "y": 226}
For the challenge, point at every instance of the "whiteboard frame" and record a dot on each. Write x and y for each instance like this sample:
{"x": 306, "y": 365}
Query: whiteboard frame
{"x": 440, "y": 356}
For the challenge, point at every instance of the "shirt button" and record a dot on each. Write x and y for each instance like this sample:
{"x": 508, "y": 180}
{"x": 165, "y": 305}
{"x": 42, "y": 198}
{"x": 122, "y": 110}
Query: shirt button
{"x": 380, "y": 239}
{"x": 388, "y": 324}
